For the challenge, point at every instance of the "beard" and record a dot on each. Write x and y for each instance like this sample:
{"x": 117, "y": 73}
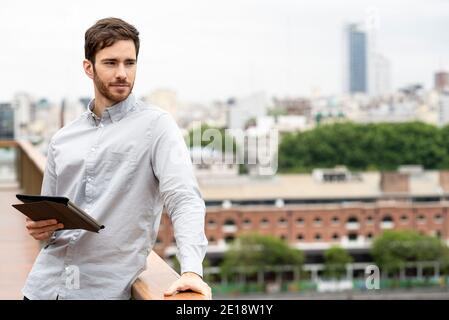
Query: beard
{"x": 105, "y": 89}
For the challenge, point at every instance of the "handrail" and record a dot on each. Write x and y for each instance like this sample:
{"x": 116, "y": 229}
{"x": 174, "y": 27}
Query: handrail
{"x": 152, "y": 283}
{"x": 156, "y": 279}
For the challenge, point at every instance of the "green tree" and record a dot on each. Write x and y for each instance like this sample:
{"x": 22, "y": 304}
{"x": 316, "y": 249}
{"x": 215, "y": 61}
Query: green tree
{"x": 253, "y": 252}
{"x": 335, "y": 260}
{"x": 382, "y": 146}
{"x": 211, "y": 137}
{"x": 394, "y": 248}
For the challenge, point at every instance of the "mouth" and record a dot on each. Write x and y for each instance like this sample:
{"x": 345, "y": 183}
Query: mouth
{"x": 120, "y": 85}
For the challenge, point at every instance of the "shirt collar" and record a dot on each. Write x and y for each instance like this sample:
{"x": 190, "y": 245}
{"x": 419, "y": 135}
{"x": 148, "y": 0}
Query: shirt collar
{"x": 115, "y": 112}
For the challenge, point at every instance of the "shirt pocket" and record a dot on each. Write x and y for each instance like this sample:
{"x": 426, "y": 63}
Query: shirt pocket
{"x": 120, "y": 169}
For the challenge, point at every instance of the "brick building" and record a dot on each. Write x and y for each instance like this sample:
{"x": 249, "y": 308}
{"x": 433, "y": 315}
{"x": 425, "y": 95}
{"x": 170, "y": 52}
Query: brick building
{"x": 314, "y": 212}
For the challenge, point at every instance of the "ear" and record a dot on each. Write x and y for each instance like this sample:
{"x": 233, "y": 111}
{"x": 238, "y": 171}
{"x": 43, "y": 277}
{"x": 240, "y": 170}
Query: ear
{"x": 88, "y": 68}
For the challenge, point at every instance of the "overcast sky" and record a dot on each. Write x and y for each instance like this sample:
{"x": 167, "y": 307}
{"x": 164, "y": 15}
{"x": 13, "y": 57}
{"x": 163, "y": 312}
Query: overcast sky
{"x": 214, "y": 49}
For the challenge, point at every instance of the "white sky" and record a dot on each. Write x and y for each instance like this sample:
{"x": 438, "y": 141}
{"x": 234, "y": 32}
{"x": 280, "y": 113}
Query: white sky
{"x": 214, "y": 49}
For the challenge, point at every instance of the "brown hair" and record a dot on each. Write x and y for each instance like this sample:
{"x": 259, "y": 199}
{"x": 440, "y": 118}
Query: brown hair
{"x": 105, "y": 32}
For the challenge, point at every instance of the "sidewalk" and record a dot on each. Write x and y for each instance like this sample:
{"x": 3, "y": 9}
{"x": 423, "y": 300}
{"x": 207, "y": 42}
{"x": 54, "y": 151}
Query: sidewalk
{"x": 17, "y": 249}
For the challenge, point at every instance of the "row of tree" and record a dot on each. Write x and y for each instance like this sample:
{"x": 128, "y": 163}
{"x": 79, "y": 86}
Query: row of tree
{"x": 382, "y": 146}
{"x": 390, "y": 251}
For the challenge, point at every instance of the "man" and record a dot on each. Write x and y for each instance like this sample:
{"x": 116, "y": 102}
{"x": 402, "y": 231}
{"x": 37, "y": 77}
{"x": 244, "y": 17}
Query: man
{"x": 120, "y": 161}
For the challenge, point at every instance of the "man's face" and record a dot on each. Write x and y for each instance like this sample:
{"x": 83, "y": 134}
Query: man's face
{"x": 115, "y": 70}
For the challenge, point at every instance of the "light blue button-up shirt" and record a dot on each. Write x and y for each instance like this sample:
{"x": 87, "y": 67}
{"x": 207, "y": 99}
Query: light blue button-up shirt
{"x": 122, "y": 169}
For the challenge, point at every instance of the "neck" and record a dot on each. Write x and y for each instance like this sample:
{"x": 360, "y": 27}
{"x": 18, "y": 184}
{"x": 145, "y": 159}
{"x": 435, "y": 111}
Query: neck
{"x": 101, "y": 103}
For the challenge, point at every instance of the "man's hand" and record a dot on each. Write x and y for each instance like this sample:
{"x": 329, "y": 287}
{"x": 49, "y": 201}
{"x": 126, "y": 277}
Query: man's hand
{"x": 190, "y": 281}
{"x": 42, "y": 230}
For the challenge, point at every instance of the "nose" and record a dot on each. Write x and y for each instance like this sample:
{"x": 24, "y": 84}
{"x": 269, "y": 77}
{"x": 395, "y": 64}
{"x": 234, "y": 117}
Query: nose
{"x": 121, "y": 72}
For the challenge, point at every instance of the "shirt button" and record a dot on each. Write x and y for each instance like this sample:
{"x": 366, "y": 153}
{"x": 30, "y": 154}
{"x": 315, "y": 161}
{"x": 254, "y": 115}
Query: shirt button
{"x": 89, "y": 179}
{"x": 93, "y": 149}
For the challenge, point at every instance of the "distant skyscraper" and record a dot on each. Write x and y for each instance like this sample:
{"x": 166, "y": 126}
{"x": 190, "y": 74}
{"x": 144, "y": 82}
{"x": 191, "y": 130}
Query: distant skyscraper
{"x": 442, "y": 80}
{"x": 6, "y": 121}
{"x": 443, "y": 108}
{"x": 380, "y": 75}
{"x": 365, "y": 69}
{"x": 356, "y": 55}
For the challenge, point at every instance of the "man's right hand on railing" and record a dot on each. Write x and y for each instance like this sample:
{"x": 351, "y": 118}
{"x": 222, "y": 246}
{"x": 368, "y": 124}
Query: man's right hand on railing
{"x": 42, "y": 230}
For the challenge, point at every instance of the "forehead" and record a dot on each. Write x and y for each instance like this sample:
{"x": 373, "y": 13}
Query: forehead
{"x": 121, "y": 49}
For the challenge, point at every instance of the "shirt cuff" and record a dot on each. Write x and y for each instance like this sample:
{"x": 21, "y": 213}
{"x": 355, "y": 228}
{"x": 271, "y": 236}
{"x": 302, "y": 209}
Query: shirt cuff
{"x": 190, "y": 266}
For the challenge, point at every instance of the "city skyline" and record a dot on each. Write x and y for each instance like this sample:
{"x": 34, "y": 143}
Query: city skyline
{"x": 210, "y": 51}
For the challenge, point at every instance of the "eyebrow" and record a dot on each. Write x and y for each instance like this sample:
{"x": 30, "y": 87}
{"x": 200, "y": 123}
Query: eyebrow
{"x": 115, "y": 60}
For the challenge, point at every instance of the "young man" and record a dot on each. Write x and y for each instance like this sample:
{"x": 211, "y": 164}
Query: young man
{"x": 121, "y": 161}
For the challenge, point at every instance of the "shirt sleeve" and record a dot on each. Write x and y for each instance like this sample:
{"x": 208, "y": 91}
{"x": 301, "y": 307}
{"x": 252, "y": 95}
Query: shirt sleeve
{"x": 179, "y": 190}
{"x": 49, "y": 180}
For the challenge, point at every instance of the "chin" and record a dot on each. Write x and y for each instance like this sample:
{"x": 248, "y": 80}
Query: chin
{"x": 121, "y": 97}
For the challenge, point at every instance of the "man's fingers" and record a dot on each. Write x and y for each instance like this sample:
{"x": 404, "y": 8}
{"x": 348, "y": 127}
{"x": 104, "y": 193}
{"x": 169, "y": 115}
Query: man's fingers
{"x": 201, "y": 288}
{"x": 51, "y": 228}
{"x": 42, "y": 236}
{"x": 39, "y": 224}
{"x": 171, "y": 291}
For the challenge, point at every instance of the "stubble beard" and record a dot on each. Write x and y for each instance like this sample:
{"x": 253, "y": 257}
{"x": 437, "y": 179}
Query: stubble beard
{"x": 106, "y": 92}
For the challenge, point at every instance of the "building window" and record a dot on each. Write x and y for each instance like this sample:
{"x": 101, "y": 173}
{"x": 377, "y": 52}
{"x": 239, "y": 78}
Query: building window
{"x": 299, "y": 237}
{"x": 211, "y": 224}
{"x": 421, "y": 219}
{"x": 229, "y": 226}
{"x": 352, "y": 223}
{"x": 404, "y": 219}
{"x": 229, "y": 239}
{"x": 352, "y": 236}
{"x": 335, "y": 220}
{"x": 264, "y": 223}
{"x": 229, "y": 222}
{"x": 369, "y": 236}
{"x": 282, "y": 222}
{"x": 317, "y": 237}
{"x": 438, "y": 219}
{"x": 335, "y": 237}
{"x": 387, "y": 222}
{"x": 369, "y": 220}
{"x": 247, "y": 223}
{"x": 300, "y": 222}
{"x": 317, "y": 221}
{"x": 158, "y": 241}
{"x": 211, "y": 240}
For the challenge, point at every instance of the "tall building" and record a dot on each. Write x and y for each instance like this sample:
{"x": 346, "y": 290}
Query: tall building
{"x": 380, "y": 75}
{"x": 6, "y": 121}
{"x": 366, "y": 70}
{"x": 356, "y": 55}
{"x": 443, "y": 108}
{"x": 441, "y": 80}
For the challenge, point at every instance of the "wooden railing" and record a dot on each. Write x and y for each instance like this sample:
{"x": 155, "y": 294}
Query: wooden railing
{"x": 158, "y": 276}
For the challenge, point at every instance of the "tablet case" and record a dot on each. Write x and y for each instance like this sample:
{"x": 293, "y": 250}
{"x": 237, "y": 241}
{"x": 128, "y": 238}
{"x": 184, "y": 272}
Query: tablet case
{"x": 38, "y": 207}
